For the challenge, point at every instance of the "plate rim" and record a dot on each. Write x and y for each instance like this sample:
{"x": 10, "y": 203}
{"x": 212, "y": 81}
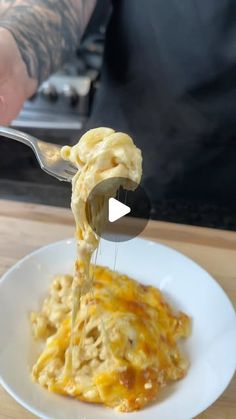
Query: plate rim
{"x": 70, "y": 241}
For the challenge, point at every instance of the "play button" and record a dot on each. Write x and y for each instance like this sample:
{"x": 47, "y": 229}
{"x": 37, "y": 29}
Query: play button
{"x": 116, "y": 210}
{"x": 107, "y": 214}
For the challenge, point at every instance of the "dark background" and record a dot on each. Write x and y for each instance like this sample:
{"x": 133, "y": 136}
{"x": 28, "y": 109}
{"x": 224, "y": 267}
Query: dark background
{"x": 21, "y": 178}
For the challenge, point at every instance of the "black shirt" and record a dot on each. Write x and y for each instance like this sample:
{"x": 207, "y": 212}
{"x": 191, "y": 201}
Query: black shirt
{"x": 169, "y": 80}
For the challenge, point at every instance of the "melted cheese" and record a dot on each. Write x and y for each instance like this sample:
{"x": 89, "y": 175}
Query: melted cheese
{"x": 126, "y": 370}
{"x": 109, "y": 339}
{"x": 100, "y": 154}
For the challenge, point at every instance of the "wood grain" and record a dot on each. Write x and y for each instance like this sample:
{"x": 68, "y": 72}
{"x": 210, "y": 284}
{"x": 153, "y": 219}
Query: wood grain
{"x": 25, "y": 227}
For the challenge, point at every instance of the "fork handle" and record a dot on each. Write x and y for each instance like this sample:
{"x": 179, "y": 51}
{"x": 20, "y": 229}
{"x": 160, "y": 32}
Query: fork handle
{"x": 22, "y": 137}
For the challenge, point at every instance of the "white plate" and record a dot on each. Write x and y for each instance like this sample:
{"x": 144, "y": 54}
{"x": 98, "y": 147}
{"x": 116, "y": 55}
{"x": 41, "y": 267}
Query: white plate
{"x": 211, "y": 347}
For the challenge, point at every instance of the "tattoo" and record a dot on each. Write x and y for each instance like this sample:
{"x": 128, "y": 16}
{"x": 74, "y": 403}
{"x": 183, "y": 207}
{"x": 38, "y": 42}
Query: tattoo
{"x": 46, "y": 31}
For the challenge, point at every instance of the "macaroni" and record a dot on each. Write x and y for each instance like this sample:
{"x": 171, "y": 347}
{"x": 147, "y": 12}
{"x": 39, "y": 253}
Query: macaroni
{"x": 108, "y": 338}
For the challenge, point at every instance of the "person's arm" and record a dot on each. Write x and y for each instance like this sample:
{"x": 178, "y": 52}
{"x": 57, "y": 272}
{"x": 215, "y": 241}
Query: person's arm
{"x": 42, "y": 35}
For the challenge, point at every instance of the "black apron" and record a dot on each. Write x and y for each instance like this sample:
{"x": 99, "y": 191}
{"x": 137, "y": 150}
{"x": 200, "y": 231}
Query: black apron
{"x": 169, "y": 80}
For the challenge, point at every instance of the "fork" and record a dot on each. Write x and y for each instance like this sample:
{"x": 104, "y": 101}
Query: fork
{"x": 47, "y": 154}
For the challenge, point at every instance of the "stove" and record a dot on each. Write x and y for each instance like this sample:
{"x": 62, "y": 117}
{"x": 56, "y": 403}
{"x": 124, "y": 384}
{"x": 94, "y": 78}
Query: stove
{"x": 62, "y": 104}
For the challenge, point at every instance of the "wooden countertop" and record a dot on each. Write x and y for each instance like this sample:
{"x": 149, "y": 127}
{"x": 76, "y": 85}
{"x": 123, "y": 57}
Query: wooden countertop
{"x": 25, "y": 227}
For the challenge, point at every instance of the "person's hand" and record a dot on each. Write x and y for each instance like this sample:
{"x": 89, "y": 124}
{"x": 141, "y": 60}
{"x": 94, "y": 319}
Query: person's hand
{"x": 15, "y": 84}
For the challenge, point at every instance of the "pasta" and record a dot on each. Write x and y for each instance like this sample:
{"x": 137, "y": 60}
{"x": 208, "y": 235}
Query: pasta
{"x": 108, "y": 338}
{"x": 100, "y": 154}
{"x": 129, "y": 334}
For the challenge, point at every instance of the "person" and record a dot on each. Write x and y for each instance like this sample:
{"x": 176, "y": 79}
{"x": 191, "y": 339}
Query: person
{"x": 168, "y": 79}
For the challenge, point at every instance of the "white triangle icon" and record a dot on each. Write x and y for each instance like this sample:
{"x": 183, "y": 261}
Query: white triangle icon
{"x": 116, "y": 210}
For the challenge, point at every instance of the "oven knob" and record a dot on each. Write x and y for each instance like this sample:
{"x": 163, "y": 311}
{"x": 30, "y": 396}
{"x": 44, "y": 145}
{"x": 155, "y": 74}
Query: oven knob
{"x": 49, "y": 91}
{"x": 70, "y": 95}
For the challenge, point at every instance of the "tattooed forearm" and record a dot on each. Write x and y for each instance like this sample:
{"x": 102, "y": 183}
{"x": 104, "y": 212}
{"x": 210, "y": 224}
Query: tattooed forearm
{"x": 46, "y": 31}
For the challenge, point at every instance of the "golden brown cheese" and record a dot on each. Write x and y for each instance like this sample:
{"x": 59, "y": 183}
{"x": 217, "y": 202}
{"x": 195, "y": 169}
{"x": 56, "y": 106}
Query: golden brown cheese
{"x": 129, "y": 336}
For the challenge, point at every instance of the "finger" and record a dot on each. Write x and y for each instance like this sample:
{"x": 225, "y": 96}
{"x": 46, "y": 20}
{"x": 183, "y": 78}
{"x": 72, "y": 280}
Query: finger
{"x": 11, "y": 102}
